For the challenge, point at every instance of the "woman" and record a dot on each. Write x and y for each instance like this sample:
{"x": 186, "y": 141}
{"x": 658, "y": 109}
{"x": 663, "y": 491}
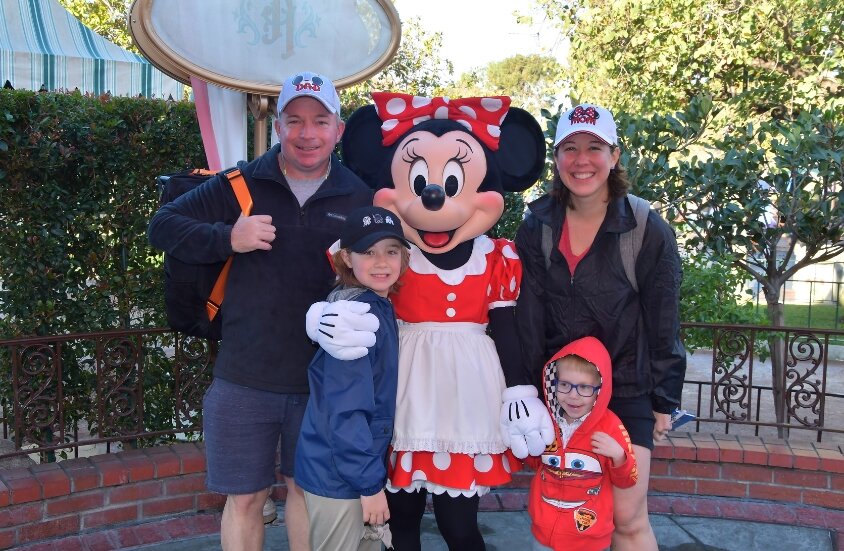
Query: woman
{"x": 580, "y": 288}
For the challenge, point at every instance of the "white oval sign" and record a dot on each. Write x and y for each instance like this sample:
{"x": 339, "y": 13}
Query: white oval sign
{"x": 252, "y": 45}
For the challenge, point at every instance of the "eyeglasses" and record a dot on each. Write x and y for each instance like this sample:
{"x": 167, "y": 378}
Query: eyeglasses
{"x": 583, "y": 390}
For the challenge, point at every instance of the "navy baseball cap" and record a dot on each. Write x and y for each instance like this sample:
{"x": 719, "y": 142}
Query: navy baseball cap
{"x": 368, "y": 225}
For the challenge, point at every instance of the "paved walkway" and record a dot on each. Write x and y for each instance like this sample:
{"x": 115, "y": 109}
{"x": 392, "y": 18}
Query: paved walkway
{"x": 511, "y": 532}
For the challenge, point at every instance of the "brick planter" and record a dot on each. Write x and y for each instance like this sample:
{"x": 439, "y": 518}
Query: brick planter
{"x": 111, "y": 501}
{"x": 749, "y": 478}
{"x": 138, "y": 497}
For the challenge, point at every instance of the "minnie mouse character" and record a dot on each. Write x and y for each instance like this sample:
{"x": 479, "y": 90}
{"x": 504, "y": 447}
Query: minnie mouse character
{"x": 443, "y": 166}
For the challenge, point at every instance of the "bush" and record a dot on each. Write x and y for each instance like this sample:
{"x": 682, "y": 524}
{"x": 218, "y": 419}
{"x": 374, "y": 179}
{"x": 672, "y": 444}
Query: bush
{"x": 711, "y": 292}
{"x": 77, "y": 176}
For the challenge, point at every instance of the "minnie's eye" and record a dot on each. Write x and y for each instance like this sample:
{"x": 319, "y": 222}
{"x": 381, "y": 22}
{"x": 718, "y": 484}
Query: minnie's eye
{"x": 418, "y": 176}
{"x": 453, "y": 178}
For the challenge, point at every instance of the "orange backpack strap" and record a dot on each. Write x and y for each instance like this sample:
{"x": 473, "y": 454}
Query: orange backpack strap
{"x": 244, "y": 198}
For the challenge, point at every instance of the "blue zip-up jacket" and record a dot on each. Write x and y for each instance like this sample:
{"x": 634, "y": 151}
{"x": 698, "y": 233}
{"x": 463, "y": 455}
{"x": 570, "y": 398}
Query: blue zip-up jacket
{"x": 264, "y": 342}
{"x": 348, "y": 422}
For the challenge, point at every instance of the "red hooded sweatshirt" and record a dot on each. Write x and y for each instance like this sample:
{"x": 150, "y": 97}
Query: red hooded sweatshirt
{"x": 570, "y": 503}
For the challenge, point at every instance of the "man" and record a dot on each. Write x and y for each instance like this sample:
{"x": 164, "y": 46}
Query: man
{"x": 301, "y": 194}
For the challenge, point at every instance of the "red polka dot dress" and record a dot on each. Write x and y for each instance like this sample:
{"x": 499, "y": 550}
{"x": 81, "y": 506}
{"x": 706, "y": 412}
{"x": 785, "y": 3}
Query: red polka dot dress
{"x": 446, "y": 436}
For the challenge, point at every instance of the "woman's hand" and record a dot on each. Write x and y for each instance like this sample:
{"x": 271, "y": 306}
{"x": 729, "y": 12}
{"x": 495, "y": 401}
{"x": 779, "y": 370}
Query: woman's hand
{"x": 662, "y": 425}
{"x": 375, "y": 510}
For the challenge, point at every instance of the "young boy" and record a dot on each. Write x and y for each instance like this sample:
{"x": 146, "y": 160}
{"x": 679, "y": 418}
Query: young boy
{"x": 340, "y": 457}
{"x": 571, "y": 503}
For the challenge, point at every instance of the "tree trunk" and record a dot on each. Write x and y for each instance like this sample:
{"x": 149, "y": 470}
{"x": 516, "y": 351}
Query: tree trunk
{"x": 776, "y": 313}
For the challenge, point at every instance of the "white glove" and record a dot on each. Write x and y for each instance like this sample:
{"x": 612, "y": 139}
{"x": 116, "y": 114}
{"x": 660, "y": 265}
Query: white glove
{"x": 312, "y": 320}
{"x": 526, "y": 424}
{"x": 344, "y": 328}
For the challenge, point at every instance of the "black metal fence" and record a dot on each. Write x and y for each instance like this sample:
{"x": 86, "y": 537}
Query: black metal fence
{"x": 733, "y": 386}
{"x": 132, "y": 387}
{"x": 144, "y": 387}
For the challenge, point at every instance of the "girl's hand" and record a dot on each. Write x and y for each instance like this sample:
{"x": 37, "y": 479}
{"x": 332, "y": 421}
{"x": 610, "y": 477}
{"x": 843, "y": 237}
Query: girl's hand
{"x": 604, "y": 444}
{"x": 375, "y": 510}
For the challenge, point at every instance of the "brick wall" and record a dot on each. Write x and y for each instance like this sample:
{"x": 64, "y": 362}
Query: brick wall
{"x": 739, "y": 478}
{"x": 110, "y": 501}
{"x": 138, "y": 497}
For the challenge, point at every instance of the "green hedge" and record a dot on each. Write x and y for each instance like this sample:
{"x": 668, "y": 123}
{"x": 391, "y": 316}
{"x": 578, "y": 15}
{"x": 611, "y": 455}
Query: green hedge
{"x": 77, "y": 177}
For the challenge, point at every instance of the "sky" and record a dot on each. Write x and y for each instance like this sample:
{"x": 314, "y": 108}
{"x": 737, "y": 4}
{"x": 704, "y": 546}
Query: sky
{"x": 476, "y": 32}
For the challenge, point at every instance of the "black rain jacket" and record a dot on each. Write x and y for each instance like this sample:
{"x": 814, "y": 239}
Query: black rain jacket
{"x": 640, "y": 330}
{"x": 264, "y": 342}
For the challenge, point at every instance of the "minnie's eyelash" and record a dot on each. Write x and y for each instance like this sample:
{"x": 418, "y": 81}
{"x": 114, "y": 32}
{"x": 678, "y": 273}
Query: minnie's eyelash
{"x": 409, "y": 156}
{"x": 461, "y": 157}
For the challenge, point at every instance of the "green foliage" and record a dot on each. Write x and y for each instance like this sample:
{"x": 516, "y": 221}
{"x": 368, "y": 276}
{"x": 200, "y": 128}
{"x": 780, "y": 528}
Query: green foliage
{"x": 416, "y": 69}
{"x": 644, "y": 56}
{"x": 530, "y": 80}
{"x": 712, "y": 292}
{"x": 77, "y": 176}
{"x": 762, "y": 190}
{"x": 514, "y": 212}
{"x": 105, "y": 17}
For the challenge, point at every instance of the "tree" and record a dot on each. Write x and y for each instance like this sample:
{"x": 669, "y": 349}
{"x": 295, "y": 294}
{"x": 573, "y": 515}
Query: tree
{"x": 643, "y": 56}
{"x": 530, "y": 80}
{"x": 105, "y": 17}
{"x": 768, "y": 196}
{"x": 417, "y": 68}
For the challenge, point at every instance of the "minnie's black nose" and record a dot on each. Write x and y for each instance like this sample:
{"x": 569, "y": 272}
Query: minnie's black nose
{"x": 433, "y": 197}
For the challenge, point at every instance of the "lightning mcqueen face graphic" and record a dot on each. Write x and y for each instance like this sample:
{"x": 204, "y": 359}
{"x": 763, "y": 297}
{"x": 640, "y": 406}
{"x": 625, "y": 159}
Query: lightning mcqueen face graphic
{"x": 572, "y": 477}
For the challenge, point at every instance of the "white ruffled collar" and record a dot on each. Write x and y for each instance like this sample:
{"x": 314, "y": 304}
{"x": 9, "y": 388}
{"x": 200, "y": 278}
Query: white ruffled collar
{"x": 476, "y": 265}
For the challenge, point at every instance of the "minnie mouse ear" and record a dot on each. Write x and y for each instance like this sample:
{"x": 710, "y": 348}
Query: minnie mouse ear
{"x": 362, "y": 151}
{"x": 521, "y": 150}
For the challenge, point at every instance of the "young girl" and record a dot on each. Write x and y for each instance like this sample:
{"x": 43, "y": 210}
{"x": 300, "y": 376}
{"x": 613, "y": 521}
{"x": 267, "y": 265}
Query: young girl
{"x": 348, "y": 424}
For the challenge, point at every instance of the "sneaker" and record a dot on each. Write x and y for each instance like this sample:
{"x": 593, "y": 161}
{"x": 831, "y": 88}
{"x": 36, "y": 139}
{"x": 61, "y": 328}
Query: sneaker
{"x": 270, "y": 511}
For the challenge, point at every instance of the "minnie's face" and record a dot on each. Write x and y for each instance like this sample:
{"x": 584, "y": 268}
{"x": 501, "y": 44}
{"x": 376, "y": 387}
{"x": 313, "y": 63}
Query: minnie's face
{"x": 436, "y": 194}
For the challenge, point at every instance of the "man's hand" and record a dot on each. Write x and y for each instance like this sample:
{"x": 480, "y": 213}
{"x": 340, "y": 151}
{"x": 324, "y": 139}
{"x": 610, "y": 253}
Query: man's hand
{"x": 252, "y": 233}
{"x": 344, "y": 328}
{"x": 526, "y": 425}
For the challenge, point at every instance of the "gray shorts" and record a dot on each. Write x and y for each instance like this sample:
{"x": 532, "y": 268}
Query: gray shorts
{"x": 242, "y": 429}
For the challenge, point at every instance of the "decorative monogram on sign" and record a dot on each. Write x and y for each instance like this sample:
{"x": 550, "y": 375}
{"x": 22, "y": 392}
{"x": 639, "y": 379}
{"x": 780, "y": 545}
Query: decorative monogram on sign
{"x": 285, "y": 20}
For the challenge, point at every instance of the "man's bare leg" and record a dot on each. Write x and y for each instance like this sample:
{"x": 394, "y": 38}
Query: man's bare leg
{"x": 242, "y": 526}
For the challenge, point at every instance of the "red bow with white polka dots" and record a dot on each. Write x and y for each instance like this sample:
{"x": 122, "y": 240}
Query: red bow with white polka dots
{"x": 401, "y": 112}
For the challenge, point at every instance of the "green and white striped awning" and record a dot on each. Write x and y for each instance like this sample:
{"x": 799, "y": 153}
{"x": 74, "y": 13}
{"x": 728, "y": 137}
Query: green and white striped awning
{"x": 43, "y": 45}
